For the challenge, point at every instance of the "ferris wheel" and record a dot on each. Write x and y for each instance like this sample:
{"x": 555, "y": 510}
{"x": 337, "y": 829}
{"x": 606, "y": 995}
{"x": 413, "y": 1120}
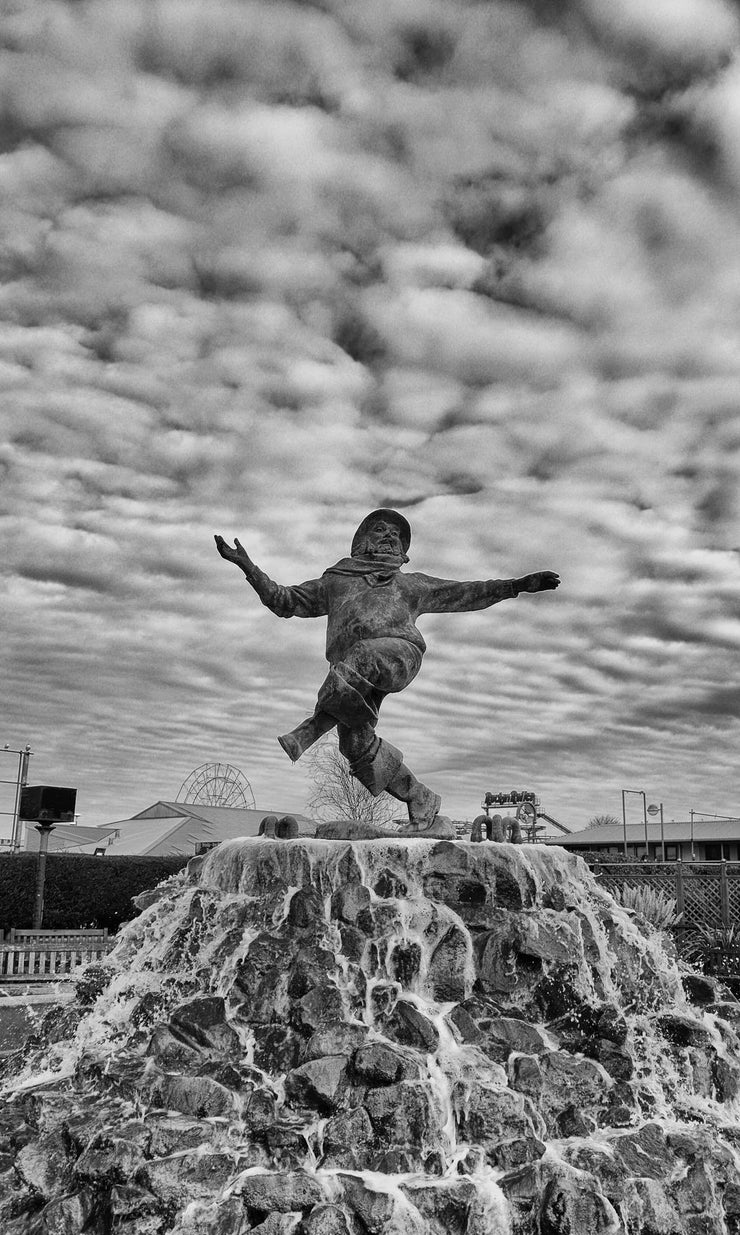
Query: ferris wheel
{"x": 217, "y": 784}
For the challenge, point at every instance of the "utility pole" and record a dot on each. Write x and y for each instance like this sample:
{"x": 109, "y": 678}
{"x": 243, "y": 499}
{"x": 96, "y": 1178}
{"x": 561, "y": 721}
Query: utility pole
{"x": 20, "y": 781}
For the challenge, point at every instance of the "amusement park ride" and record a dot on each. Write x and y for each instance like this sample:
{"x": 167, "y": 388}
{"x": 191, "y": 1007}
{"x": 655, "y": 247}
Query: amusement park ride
{"x": 526, "y": 819}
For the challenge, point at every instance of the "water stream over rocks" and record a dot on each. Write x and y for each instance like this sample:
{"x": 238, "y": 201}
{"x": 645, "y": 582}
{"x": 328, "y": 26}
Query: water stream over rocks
{"x": 380, "y": 1038}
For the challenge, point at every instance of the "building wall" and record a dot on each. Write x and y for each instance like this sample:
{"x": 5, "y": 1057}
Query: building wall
{"x": 704, "y": 851}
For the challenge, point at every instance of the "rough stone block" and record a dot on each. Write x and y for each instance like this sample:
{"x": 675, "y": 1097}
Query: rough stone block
{"x": 309, "y": 967}
{"x": 67, "y": 1215}
{"x": 403, "y": 1114}
{"x": 277, "y": 1048}
{"x": 548, "y": 935}
{"x": 318, "y": 1083}
{"x": 45, "y": 1165}
{"x": 171, "y": 1053}
{"x": 173, "y": 1132}
{"x": 379, "y": 1064}
{"x": 287, "y": 1146}
{"x": 410, "y": 1027}
{"x": 203, "y": 1022}
{"x": 306, "y": 909}
{"x": 110, "y": 1158}
{"x": 448, "y": 967}
{"x": 517, "y": 1035}
{"x": 277, "y": 1224}
{"x": 487, "y": 1114}
{"x": 374, "y": 1209}
{"x": 280, "y": 1192}
{"x": 321, "y": 1005}
{"x": 131, "y": 1201}
{"x": 646, "y": 1152}
{"x": 197, "y": 1095}
{"x": 572, "y": 1205}
{"x": 192, "y": 1175}
{"x": 464, "y": 1026}
{"x": 350, "y": 902}
{"x": 682, "y": 1030}
{"x": 390, "y": 884}
{"x": 325, "y": 1220}
{"x": 335, "y": 1038}
{"x": 349, "y": 1141}
{"x": 446, "y": 1207}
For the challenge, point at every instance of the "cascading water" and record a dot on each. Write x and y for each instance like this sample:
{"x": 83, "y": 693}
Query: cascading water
{"x": 394, "y": 1037}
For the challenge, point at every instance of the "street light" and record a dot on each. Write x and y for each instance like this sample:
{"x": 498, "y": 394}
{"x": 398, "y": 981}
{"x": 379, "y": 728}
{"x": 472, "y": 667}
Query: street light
{"x": 653, "y": 810}
{"x": 640, "y": 793}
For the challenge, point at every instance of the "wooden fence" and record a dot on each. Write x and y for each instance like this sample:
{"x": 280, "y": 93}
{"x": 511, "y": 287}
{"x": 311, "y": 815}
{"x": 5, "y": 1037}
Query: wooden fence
{"x": 50, "y": 956}
{"x": 706, "y": 893}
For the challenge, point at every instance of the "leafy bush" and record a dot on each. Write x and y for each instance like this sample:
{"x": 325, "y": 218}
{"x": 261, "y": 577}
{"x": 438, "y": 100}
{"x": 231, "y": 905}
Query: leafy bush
{"x": 80, "y": 891}
{"x": 649, "y": 903}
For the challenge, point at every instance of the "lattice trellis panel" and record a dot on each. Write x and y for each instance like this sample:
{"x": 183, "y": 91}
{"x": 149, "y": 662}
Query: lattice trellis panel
{"x": 733, "y": 897}
{"x": 708, "y": 892}
{"x": 702, "y": 902}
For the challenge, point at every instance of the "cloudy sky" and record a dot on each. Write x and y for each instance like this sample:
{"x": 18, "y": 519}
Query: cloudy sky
{"x": 266, "y": 266}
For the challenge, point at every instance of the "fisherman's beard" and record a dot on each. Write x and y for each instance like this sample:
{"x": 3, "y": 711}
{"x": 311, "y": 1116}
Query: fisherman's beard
{"x": 368, "y": 552}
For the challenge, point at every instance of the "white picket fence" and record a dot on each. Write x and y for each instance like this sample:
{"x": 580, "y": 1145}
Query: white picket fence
{"x": 50, "y": 956}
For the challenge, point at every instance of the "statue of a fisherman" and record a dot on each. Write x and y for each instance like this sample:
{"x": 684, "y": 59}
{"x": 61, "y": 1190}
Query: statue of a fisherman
{"x": 373, "y": 645}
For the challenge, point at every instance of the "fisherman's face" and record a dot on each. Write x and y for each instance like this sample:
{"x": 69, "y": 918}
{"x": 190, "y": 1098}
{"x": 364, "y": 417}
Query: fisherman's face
{"x": 383, "y": 538}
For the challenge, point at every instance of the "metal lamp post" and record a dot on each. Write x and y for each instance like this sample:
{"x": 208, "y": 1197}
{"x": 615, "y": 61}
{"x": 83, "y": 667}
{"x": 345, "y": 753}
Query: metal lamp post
{"x": 45, "y": 806}
{"x": 44, "y": 830}
{"x": 653, "y": 810}
{"x": 640, "y": 793}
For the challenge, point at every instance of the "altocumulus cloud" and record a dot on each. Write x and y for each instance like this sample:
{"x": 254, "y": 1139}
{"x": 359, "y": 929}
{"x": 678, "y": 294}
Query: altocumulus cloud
{"x": 265, "y": 266}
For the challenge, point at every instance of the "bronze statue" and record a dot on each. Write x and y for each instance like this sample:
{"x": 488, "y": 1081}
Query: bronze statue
{"x": 373, "y": 645}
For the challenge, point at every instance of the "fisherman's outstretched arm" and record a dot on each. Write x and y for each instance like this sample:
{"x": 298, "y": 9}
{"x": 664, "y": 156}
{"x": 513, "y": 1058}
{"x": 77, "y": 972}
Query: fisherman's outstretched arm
{"x": 455, "y": 596}
{"x": 306, "y": 600}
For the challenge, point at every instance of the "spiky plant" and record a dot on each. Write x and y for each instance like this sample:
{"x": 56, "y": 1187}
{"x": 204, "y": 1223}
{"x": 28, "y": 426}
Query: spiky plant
{"x": 650, "y": 904}
{"x": 713, "y": 949}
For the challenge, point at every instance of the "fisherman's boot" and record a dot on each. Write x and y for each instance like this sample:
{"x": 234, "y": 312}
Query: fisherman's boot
{"x": 423, "y": 803}
{"x": 297, "y": 742}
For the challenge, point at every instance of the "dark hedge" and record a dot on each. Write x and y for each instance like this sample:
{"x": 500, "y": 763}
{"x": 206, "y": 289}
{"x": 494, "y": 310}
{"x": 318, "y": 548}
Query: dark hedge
{"x": 80, "y": 890}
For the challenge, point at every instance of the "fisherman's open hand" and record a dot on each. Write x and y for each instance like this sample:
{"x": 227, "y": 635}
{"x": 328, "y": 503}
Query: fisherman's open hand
{"x": 238, "y": 555}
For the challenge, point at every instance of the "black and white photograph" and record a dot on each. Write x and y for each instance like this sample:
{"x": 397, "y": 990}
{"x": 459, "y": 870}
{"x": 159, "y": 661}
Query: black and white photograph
{"x": 370, "y": 617}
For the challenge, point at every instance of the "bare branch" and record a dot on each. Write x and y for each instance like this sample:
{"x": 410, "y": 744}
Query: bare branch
{"x": 337, "y": 795}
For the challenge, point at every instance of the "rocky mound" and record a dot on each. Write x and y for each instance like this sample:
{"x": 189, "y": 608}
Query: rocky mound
{"x": 380, "y": 1038}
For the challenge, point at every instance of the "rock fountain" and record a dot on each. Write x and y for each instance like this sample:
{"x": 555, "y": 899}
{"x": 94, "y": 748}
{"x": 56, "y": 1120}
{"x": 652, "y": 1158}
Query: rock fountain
{"x": 393, "y": 1037}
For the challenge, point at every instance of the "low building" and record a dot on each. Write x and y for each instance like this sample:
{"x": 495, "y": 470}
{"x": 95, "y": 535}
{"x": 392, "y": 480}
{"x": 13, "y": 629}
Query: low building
{"x": 165, "y": 829}
{"x": 705, "y": 840}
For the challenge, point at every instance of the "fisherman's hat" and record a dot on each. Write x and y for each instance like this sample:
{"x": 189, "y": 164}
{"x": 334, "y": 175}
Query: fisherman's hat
{"x": 392, "y": 516}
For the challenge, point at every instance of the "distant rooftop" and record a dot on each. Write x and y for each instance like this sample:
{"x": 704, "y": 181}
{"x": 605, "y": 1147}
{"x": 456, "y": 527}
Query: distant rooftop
{"x": 673, "y": 831}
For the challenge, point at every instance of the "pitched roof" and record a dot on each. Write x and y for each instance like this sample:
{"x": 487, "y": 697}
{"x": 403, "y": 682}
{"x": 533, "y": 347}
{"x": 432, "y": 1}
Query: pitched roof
{"x": 69, "y": 838}
{"x": 674, "y": 832}
{"x": 147, "y": 836}
{"x": 175, "y": 828}
{"x": 212, "y": 814}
